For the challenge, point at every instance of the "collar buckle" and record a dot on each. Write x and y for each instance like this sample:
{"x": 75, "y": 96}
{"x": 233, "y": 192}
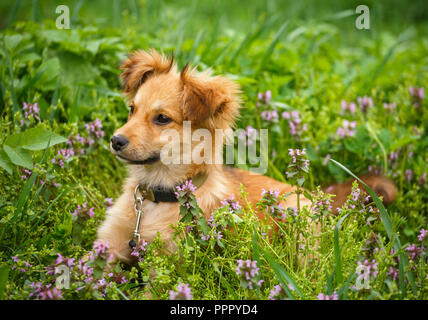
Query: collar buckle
{"x": 148, "y": 194}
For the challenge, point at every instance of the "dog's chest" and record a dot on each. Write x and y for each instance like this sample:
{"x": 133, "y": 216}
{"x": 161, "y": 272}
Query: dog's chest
{"x": 158, "y": 217}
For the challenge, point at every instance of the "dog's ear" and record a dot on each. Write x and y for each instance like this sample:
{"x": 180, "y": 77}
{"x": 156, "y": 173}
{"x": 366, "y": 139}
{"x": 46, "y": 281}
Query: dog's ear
{"x": 140, "y": 65}
{"x": 209, "y": 98}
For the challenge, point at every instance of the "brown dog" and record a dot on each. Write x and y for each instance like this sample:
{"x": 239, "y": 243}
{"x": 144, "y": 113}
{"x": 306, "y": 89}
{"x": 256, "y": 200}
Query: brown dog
{"x": 163, "y": 98}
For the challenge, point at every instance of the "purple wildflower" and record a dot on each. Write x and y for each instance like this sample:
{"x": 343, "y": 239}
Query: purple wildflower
{"x": 322, "y": 204}
{"x": 108, "y": 202}
{"x": 347, "y": 106}
{"x": 247, "y": 271}
{"x": 183, "y": 292}
{"x": 417, "y": 95}
{"x": 69, "y": 262}
{"x": 348, "y": 129}
{"x": 184, "y": 193}
{"x": 326, "y": 159}
{"x": 423, "y": 235}
{"x": 187, "y": 186}
{"x": 278, "y": 292}
{"x": 409, "y": 174}
{"x": 323, "y": 296}
{"x": 83, "y": 211}
{"x": 299, "y": 165}
{"x": 140, "y": 251}
{"x": 264, "y": 98}
{"x": 423, "y": 179}
{"x": 414, "y": 251}
{"x": 117, "y": 278}
{"x": 25, "y": 174}
{"x": 270, "y": 203}
{"x": 100, "y": 251}
{"x": 95, "y": 129}
{"x": 295, "y": 123}
{"x": 365, "y": 103}
{"x": 374, "y": 170}
{"x": 393, "y": 273}
{"x": 269, "y": 115}
{"x": 232, "y": 203}
{"x": 205, "y": 237}
{"x": 390, "y": 107}
{"x": 46, "y": 292}
{"x": 31, "y": 110}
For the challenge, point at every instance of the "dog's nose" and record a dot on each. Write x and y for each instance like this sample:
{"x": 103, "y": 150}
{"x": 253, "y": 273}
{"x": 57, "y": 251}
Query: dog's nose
{"x": 119, "y": 142}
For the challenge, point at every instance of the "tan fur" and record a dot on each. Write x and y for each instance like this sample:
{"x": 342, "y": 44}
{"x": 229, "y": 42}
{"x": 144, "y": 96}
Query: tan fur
{"x": 154, "y": 86}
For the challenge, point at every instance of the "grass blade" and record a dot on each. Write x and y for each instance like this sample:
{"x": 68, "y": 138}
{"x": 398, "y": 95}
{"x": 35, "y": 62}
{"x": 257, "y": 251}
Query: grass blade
{"x": 74, "y": 110}
{"x": 338, "y": 264}
{"x": 13, "y": 13}
{"x": 40, "y": 217}
{"x": 222, "y": 52}
{"x": 283, "y": 277}
{"x": 15, "y": 107}
{"x": 250, "y": 37}
{"x": 4, "y": 275}
{"x": 195, "y": 46}
{"x": 272, "y": 45}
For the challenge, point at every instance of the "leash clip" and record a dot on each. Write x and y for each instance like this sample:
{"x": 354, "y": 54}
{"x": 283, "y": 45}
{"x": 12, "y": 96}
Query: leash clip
{"x": 138, "y": 207}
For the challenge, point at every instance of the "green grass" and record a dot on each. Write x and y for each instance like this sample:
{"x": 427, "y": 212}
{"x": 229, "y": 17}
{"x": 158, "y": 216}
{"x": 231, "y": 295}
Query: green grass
{"x": 309, "y": 55}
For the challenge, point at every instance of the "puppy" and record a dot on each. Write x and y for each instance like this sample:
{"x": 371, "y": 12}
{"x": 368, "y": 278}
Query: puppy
{"x": 160, "y": 98}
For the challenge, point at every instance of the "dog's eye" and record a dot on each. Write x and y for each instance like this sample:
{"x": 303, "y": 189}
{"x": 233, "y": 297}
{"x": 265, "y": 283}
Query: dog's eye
{"x": 162, "y": 119}
{"x": 131, "y": 110}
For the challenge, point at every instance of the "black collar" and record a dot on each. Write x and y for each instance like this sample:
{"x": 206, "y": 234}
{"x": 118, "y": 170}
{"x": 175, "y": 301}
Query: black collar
{"x": 162, "y": 194}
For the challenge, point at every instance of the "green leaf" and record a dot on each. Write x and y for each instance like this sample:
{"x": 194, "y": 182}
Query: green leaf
{"x": 19, "y": 156}
{"x": 204, "y": 226}
{"x": 48, "y": 71}
{"x": 5, "y": 162}
{"x": 307, "y": 195}
{"x": 34, "y": 139}
{"x": 300, "y": 181}
{"x": 358, "y": 144}
{"x": 12, "y": 41}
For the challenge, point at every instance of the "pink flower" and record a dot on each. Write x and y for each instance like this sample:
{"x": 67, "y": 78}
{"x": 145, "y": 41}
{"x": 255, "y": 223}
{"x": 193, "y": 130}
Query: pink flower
{"x": 183, "y": 292}
{"x": 295, "y": 123}
{"x": 264, "y": 97}
{"x": 365, "y": 103}
{"x": 351, "y": 106}
{"x": 323, "y": 296}
{"x": 423, "y": 179}
{"x": 417, "y": 95}
{"x": 31, "y": 110}
{"x": 247, "y": 271}
{"x": 348, "y": 129}
{"x": 390, "y": 106}
{"x": 423, "y": 235}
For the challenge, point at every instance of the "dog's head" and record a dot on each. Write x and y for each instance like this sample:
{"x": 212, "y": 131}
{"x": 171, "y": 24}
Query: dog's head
{"x": 161, "y": 97}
